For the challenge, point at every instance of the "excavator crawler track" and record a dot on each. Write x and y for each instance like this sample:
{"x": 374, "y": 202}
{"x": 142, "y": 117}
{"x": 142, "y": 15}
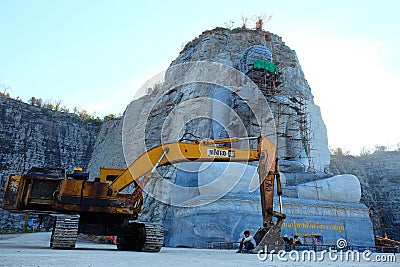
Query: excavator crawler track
{"x": 65, "y": 232}
{"x": 140, "y": 236}
{"x": 154, "y": 237}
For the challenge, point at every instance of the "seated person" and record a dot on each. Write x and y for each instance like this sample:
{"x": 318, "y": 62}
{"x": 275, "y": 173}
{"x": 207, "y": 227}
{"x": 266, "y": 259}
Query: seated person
{"x": 248, "y": 243}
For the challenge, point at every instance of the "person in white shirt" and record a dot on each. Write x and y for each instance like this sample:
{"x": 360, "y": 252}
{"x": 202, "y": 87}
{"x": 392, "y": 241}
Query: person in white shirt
{"x": 247, "y": 243}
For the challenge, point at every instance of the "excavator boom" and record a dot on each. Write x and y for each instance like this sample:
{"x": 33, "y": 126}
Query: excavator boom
{"x": 102, "y": 209}
{"x": 179, "y": 152}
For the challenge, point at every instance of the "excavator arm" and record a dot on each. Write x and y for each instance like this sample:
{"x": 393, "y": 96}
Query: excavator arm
{"x": 268, "y": 237}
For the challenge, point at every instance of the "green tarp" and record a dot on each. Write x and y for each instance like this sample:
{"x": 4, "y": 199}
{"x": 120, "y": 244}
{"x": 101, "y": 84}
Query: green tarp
{"x": 305, "y": 146}
{"x": 265, "y": 65}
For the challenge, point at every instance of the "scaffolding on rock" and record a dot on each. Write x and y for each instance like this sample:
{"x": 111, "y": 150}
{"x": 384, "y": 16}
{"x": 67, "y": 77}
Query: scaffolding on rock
{"x": 292, "y": 120}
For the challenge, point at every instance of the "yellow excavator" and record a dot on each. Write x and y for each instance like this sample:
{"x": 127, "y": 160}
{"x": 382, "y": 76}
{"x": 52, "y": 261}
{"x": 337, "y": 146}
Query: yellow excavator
{"x": 99, "y": 207}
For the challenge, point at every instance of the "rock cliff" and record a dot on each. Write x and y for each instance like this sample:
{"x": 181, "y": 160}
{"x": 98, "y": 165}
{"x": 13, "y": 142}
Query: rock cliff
{"x": 379, "y": 175}
{"x": 33, "y": 136}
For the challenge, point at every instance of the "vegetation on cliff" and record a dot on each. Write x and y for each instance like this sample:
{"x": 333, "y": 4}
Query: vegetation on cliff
{"x": 57, "y": 105}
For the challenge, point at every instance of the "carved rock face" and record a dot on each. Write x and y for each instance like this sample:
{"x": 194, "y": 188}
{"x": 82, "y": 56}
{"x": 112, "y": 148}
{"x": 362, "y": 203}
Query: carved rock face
{"x": 236, "y": 49}
{"x": 299, "y": 119}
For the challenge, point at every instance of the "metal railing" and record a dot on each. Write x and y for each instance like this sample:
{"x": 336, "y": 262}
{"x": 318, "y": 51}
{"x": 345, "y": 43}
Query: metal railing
{"x": 382, "y": 249}
{"x": 223, "y": 245}
{"x": 235, "y": 245}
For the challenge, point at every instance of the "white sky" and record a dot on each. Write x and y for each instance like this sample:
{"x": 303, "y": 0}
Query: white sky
{"x": 96, "y": 54}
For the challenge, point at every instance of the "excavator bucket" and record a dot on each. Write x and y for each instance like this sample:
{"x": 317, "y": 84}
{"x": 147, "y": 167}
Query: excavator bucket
{"x": 269, "y": 240}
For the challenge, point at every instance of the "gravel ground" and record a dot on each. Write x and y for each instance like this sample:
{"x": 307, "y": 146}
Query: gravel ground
{"x": 33, "y": 250}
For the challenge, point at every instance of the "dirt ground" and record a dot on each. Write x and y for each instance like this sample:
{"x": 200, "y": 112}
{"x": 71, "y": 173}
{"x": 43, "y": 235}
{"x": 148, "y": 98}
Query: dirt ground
{"x": 33, "y": 250}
